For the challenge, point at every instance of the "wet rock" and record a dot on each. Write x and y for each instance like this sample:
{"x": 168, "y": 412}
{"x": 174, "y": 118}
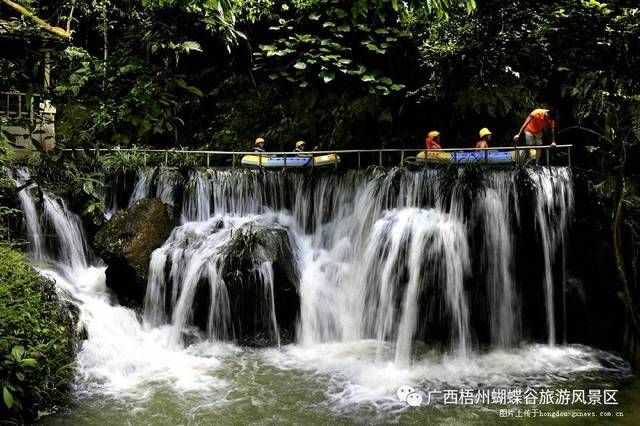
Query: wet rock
{"x": 126, "y": 242}
{"x": 256, "y": 259}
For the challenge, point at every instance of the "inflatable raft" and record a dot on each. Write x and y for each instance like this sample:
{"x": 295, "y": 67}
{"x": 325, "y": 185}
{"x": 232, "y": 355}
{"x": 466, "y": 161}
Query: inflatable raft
{"x": 474, "y": 156}
{"x": 329, "y": 160}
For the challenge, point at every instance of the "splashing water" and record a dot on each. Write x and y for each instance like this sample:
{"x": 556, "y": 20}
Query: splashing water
{"x": 384, "y": 267}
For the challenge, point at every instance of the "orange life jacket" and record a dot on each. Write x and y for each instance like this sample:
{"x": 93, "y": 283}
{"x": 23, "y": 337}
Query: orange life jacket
{"x": 482, "y": 144}
{"x": 431, "y": 144}
{"x": 538, "y": 120}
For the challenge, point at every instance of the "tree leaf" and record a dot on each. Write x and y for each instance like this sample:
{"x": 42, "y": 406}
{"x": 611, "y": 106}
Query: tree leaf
{"x": 300, "y": 66}
{"x": 328, "y": 77}
{"x": 17, "y": 352}
{"x": 7, "y": 397}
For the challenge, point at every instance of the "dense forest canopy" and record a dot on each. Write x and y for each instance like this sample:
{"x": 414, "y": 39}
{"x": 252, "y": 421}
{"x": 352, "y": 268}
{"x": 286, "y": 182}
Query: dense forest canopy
{"x": 340, "y": 73}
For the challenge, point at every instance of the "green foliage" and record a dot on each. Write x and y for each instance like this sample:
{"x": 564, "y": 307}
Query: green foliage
{"x": 325, "y": 39}
{"x": 36, "y": 346}
{"x": 465, "y": 182}
{"x": 244, "y": 252}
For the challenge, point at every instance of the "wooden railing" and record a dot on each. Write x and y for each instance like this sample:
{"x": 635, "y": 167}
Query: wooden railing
{"x": 18, "y": 105}
{"x": 378, "y": 155}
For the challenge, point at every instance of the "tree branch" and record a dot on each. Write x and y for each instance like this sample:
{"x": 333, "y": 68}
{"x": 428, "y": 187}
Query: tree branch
{"x": 40, "y": 22}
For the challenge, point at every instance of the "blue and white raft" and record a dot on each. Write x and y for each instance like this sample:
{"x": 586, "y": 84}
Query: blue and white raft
{"x": 264, "y": 160}
{"x": 509, "y": 156}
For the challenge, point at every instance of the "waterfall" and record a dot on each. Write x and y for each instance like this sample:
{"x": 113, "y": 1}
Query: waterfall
{"x": 381, "y": 256}
{"x": 495, "y": 213}
{"x": 423, "y": 249}
{"x": 553, "y": 210}
{"x": 35, "y": 234}
{"x": 166, "y": 185}
{"x": 197, "y": 202}
{"x": 72, "y": 246}
{"x": 191, "y": 264}
{"x": 143, "y": 187}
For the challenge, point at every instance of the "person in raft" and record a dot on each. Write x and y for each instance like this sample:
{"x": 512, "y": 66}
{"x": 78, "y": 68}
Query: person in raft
{"x": 259, "y": 145}
{"x": 433, "y": 140}
{"x": 485, "y": 138}
{"x": 539, "y": 121}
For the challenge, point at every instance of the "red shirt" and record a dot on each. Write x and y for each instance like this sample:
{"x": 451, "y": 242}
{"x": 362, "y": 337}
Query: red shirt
{"x": 538, "y": 120}
{"x": 431, "y": 144}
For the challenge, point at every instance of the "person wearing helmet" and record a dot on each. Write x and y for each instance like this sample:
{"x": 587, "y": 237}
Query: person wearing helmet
{"x": 539, "y": 121}
{"x": 259, "y": 145}
{"x": 485, "y": 138}
{"x": 300, "y": 146}
{"x": 433, "y": 140}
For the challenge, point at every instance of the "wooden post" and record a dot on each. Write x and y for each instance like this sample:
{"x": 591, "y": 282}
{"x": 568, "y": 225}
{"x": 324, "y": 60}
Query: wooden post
{"x": 285, "y": 160}
{"x": 209, "y": 159}
{"x": 569, "y": 156}
{"x": 166, "y": 157}
{"x": 47, "y": 69}
{"x": 380, "y": 158}
{"x": 359, "y": 164}
{"x": 335, "y": 163}
{"x": 31, "y": 110}
{"x": 547, "y": 151}
{"x": 402, "y": 158}
{"x": 486, "y": 156}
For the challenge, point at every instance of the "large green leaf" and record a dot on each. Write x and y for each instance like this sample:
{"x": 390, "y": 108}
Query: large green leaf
{"x": 7, "y": 397}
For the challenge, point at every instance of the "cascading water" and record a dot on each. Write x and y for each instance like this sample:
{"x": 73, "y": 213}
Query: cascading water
{"x": 495, "y": 213}
{"x": 35, "y": 234}
{"x": 554, "y": 207}
{"x": 143, "y": 187}
{"x": 194, "y": 255}
{"x": 383, "y": 269}
{"x": 197, "y": 202}
{"x": 432, "y": 248}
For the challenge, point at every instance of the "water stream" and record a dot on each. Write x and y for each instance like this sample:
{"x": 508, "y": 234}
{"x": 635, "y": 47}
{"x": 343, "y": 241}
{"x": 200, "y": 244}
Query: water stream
{"x": 390, "y": 274}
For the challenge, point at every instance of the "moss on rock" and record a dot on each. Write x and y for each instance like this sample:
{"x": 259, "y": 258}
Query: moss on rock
{"x": 126, "y": 243}
{"x": 36, "y": 341}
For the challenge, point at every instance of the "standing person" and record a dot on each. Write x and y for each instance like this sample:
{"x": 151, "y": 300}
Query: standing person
{"x": 259, "y": 145}
{"x": 433, "y": 140}
{"x": 535, "y": 125}
{"x": 485, "y": 138}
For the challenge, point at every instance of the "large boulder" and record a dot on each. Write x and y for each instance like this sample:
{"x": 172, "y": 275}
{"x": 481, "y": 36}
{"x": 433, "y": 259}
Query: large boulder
{"x": 258, "y": 260}
{"x": 126, "y": 242}
{"x": 255, "y": 256}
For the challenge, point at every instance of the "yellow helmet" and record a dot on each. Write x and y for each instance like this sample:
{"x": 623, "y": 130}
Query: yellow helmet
{"x": 299, "y": 144}
{"x": 259, "y": 140}
{"x": 484, "y": 132}
{"x": 433, "y": 134}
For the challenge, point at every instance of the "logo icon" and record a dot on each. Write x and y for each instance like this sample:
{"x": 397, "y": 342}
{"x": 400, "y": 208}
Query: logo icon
{"x": 409, "y": 395}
